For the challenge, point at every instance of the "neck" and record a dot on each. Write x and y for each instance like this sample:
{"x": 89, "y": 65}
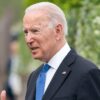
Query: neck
{"x": 56, "y": 49}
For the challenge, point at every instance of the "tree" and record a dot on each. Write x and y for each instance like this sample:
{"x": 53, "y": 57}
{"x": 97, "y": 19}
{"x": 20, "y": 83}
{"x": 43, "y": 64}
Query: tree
{"x": 87, "y": 31}
{"x": 8, "y": 17}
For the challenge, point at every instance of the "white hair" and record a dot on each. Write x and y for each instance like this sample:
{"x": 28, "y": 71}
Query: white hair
{"x": 55, "y": 13}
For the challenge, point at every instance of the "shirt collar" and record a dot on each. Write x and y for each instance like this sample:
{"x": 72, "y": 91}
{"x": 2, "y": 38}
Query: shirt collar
{"x": 56, "y": 60}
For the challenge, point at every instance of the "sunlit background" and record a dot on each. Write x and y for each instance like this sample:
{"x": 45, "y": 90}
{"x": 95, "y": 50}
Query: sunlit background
{"x": 16, "y": 63}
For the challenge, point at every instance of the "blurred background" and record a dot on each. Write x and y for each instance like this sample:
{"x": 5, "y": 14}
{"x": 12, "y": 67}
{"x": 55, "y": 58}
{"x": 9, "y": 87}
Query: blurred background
{"x": 16, "y": 63}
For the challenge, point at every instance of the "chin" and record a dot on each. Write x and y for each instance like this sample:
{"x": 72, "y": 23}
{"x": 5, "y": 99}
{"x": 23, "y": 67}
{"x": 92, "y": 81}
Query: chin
{"x": 37, "y": 57}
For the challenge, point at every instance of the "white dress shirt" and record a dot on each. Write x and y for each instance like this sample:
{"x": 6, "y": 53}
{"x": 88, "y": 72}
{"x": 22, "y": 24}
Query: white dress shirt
{"x": 55, "y": 62}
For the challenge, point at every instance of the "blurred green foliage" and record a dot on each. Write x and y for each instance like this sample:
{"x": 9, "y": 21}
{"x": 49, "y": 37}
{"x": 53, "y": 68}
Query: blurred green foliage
{"x": 85, "y": 30}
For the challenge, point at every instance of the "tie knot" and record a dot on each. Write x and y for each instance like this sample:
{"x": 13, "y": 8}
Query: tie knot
{"x": 45, "y": 68}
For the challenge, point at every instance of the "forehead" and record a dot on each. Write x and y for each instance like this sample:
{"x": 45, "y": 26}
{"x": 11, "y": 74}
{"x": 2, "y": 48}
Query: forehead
{"x": 36, "y": 17}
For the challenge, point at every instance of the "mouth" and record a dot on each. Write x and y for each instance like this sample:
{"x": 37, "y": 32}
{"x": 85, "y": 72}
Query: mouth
{"x": 34, "y": 48}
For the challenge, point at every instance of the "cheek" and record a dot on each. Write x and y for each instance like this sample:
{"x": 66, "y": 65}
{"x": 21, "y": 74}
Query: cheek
{"x": 48, "y": 45}
{"x": 47, "y": 42}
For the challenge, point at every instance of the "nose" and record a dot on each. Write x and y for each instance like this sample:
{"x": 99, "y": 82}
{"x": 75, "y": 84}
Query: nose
{"x": 29, "y": 38}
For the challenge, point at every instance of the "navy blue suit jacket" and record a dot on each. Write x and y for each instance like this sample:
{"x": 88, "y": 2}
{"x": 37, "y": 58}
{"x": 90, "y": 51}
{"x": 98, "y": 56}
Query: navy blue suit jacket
{"x": 75, "y": 79}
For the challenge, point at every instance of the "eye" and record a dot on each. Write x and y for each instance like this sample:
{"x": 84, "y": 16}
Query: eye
{"x": 34, "y": 31}
{"x": 25, "y": 31}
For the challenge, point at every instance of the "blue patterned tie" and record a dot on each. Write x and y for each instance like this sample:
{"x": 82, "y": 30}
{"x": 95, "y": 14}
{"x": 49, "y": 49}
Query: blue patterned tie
{"x": 40, "y": 83}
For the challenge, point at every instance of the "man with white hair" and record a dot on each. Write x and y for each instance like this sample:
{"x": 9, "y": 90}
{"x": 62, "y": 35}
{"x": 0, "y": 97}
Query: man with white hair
{"x": 64, "y": 75}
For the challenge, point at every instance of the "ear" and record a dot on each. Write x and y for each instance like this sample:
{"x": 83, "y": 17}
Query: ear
{"x": 59, "y": 31}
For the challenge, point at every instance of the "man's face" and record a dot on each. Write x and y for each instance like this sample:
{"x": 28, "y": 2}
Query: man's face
{"x": 40, "y": 38}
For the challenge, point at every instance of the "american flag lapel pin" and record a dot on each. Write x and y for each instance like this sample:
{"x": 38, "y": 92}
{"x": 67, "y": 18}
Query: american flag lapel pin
{"x": 64, "y": 72}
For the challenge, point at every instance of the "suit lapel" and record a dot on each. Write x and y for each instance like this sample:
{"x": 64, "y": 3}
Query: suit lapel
{"x": 56, "y": 82}
{"x": 32, "y": 84}
{"x": 60, "y": 76}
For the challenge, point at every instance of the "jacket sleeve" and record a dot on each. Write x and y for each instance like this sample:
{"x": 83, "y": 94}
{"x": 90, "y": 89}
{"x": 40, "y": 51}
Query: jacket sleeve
{"x": 89, "y": 88}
